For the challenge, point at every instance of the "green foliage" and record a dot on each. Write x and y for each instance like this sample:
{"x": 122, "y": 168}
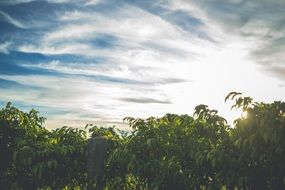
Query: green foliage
{"x": 172, "y": 152}
{"x": 203, "y": 152}
{"x": 260, "y": 141}
{"x": 37, "y": 158}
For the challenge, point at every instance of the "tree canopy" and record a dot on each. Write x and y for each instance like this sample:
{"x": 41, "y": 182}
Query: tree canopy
{"x": 201, "y": 151}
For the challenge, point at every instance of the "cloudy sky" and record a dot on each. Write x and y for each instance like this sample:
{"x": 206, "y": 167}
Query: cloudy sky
{"x": 98, "y": 61}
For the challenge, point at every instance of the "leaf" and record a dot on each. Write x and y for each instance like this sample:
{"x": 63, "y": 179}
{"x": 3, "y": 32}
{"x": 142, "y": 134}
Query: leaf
{"x": 232, "y": 95}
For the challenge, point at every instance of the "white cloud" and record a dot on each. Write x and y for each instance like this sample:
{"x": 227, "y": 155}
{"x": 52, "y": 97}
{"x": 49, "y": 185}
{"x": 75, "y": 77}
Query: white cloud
{"x": 150, "y": 50}
{"x": 128, "y": 23}
{"x": 11, "y": 20}
{"x": 77, "y": 15}
{"x": 259, "y": 24}
{"x": 83, "y": 98}
{"x": 9, "y": 2}
{"x": 71, "y": 33}
{"x": 143, "y": 41}
{"x": 13, "y": 2}
{"x": 93, "y": 2}
{"x": 67, "y": 48}
{"x": 4, "y": 47}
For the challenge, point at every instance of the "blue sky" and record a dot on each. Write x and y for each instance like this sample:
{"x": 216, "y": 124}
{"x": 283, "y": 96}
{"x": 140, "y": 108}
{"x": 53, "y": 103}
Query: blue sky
{"x": 98, "y": 61}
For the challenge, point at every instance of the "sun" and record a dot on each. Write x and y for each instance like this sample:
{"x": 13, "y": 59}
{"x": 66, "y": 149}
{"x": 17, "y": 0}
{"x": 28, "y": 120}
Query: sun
{"x": 244, "y": 114}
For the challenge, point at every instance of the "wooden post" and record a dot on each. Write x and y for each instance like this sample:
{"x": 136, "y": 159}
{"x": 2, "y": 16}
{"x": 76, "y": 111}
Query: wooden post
{"x": 96, "y": 154}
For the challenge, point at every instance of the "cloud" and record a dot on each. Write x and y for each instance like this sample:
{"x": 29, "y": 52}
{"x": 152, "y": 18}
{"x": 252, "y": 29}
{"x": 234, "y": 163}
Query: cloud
{"x": 106, "y": 72}
{"x": 145, "y": 100}
{"x": 279, "y": 71}
{"x": 8, "y": 2}
{"x": 260, "y": 24}
{"x": 133, "y": 26}
{"x": 14, "y": 2}
{"x": 136, "y": 48}
{"x": 66, "y": 48}
{"x": 93, "y": 2}
{"x": 11, "y": 20}
{"x": 9, "y": 84}
{"x": 104, "y": 60}
{"x": 4, "y": 47}
{"x": 146, "y": 53}
{"x": 78, "y": 99}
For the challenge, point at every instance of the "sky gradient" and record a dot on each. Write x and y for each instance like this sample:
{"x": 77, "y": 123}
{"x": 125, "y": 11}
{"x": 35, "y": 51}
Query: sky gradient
{"x": 98, "y": 61}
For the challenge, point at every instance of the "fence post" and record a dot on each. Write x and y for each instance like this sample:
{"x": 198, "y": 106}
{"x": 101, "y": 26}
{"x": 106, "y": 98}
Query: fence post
{"x": 96, "y": 154}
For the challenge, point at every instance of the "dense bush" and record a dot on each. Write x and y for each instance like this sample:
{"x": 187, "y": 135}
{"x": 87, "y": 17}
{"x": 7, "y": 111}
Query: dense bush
{"x": 173, "y": 152}
{"x": 33, "y": 157}
{"x": 203, "y": 152}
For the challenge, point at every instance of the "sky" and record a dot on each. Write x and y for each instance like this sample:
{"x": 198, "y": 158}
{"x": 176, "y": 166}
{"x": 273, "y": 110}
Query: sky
{"x": 98, "y": 61}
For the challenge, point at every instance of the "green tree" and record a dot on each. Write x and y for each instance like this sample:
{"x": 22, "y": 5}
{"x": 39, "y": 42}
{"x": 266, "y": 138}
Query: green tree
{"x": 259, "y": 138}
{"x": 15, "y": 126}
{"x": 33, "y": 157}
{"x": 172, "y": 152}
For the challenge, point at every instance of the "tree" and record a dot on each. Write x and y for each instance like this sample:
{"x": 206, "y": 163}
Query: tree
{"x": 172, "y": 152}
{"x": 33, "y": 157}
{"x": 260, "y": 140}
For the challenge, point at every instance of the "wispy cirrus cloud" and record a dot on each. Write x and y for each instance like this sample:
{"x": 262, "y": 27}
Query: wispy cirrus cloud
{"x": 4, "y": 47}
{"x": 127, "y": 49}
{"x": 14, "y": 2}
{"x": 93, "y": 2}
{"x": 11, "y": 20}
{"x": 102, "y": 60}
{"x": 259, "y": 23}
{"x": 145, "y": 100}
